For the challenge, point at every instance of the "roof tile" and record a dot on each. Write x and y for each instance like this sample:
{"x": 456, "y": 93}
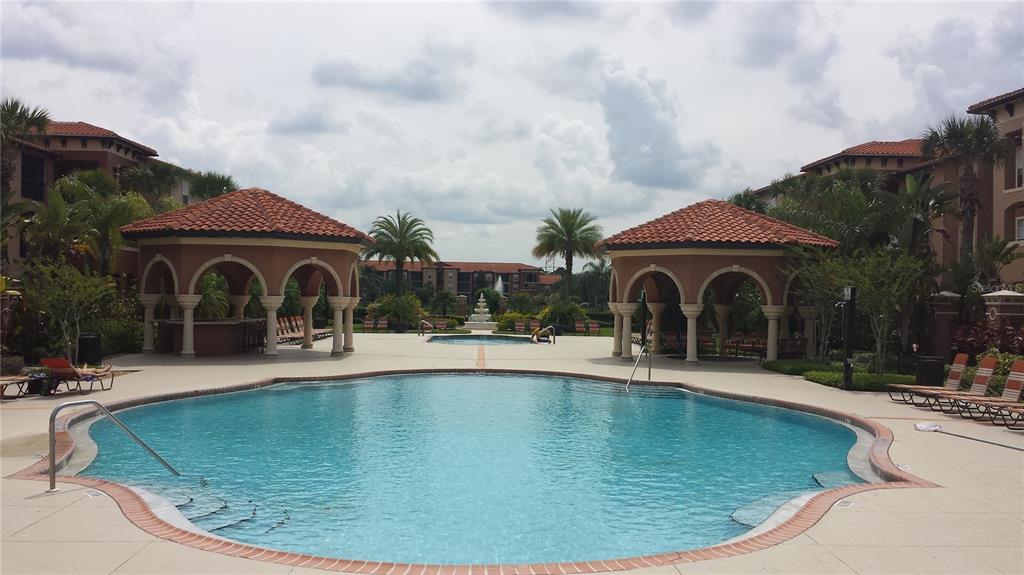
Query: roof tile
{"x": 86, "y": 130}
{"x": 905, "y": 148}
{"x": 248, "y": 212}
{"x": 1006, "y": 98}
{"x": 716, "y": 221}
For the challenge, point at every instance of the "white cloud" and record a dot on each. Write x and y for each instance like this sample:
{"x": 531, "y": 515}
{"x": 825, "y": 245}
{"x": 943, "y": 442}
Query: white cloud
{"x": 315, "y": 118}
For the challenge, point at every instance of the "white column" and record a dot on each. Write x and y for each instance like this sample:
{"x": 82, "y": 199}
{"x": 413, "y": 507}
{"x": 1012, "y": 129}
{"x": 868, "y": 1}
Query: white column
{"x": 188, "y": 305}
{"x": 307, "y": 302}
{"x": 627, "y": 310}
{"x": 722, "y": 311}
{"x": 239, "y": 302}
{"x": 617, "y": 331}
{"x": 349, "y": 312}
{"x": 773, "y": 313}
{"x": 149, "y": 303}
{"x": 692, "y": 311}
{"x": 656, "y": 309}
{"x": 809, "y": 314}
{"x": 338, "y": 305}
{"x": 271, "y": 303}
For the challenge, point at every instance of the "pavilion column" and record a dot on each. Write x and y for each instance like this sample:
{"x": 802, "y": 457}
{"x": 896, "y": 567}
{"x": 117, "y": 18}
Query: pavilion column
{"x": 238, "y": 302}
{"x": 809, "y": 313}
{"x": 271, "y": 303}
{"x": 617, "y": 330}
{"x": 338, "y": 305}
{"x": 656, "y": 309}
{"x": 188, "y": 305}
{"x": 722, "y": 311}
{"x": 627, "y": 310}
{"x": 773, "y": 313}
{"x": 349, "y": 318}
{"x": 692, "y": 312}
{"x": 149, "y": 303}
{"x": 307, "y": 302}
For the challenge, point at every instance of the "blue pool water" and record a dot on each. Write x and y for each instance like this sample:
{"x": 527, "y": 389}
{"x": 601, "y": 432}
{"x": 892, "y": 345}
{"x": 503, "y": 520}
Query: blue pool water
{"x": 479, "y": 339}
{"x": 474, "y": 468}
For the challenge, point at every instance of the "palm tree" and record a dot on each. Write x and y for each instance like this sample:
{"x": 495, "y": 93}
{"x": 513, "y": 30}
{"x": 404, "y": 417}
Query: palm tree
{"x": 206, "y": 185}
{"x": 60, "y": 227}
{"x": 911, "y": 214}
{"x": 401, "y": 238}
{"x": 597, "y": 275}
{"x": 153, "y": 179}
{"x": 13, "y": 215}
{"x": 17, "y": 120}
{"x": 568, "y": 233}
{"x": 974, "y": 140}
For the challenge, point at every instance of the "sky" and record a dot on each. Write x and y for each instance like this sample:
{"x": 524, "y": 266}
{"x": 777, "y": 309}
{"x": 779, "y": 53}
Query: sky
{"x": 480, "y": 117}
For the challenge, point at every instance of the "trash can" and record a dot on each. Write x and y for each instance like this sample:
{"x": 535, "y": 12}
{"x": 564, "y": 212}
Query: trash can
{"x": 930, "y": 370}
{"x": 89, "y": 349}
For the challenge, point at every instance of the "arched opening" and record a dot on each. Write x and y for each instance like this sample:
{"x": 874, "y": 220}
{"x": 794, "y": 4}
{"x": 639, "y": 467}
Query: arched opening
{"x": 659, "y": 319}
{"x": 733, "y": 300}
{"x": 305, "y": 311}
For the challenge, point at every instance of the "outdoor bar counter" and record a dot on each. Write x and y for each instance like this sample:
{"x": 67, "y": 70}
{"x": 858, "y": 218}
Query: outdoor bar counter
{"x": 211, "y": 337}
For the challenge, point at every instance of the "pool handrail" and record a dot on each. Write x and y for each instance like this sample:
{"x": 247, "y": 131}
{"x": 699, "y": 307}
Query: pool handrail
{"x": 53, "y": 437}
{"x": 639, "y": 356}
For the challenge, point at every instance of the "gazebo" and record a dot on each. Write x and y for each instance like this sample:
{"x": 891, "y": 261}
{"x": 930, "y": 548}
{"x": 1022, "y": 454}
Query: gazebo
{"x": 247, "y": 235}
{"x": 682, "y": 256}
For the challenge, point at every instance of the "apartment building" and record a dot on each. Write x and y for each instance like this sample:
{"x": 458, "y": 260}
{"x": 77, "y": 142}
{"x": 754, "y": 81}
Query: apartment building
{"x": 464, "y": 278}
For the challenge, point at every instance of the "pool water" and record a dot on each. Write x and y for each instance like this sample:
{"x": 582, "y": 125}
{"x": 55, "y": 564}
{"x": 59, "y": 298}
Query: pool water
{"x": 479, "y": 339}
{"x": 474, "y": 468}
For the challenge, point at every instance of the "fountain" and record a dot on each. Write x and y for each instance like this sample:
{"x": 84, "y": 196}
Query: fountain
{"x": 499, "y": 287}
{"x": 481, "y": 316}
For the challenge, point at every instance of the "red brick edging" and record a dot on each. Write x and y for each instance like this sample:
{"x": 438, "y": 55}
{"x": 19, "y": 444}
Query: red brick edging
{"x": 138, "y": 512}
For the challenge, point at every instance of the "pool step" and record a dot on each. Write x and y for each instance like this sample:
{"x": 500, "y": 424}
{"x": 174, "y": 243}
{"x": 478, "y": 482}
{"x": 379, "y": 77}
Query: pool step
{"x": 232, "y": 516}
{"x": 755, "y": 512}
{"x": 202, "y": 505}
{"x": 830, "y": 479}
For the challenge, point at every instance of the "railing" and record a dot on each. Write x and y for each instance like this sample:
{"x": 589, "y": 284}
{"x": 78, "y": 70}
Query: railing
{"x": 53, "y": 437}
{"x": 643, "y": 350}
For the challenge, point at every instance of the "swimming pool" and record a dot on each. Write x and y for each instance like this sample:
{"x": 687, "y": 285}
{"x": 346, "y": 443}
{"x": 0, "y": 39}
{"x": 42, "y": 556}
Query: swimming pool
{"x": 479, "y": 339}
{"x": 474, "y": 468}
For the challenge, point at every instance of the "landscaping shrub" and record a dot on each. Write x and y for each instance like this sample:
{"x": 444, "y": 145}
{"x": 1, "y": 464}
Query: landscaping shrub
{"x": 997, "y": 382}
{"x": 405, "y": 308}
{"x": 861, "y": 381}
{"x": 801, "y": 366}
{"x": 507, "y": 321}
{"x": 562, "y": 312}
{"x": 120, "y": 336}
{"x": 602, "y": 317}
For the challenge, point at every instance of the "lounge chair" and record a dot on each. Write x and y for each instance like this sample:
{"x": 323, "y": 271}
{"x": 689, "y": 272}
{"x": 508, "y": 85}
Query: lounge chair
{"x": 368, "y": 323}
{"x": 534, "y": 324}
{"x": 382, "y": 324}
{"x": 906, "y": 390}
{"x": 581, "y": 327}
{"x": 594, "y": 328}
{"x": 441, "y": 325}
{"x": 945, "y": 401}
{"x": 18, "y": 381}
{"x": 1012, "y": 417}
{"x": 988, "y": 408}
{"x": 63, "y": 373}
{"x": 286, "y": 333}
{"x": 521, "y": 327}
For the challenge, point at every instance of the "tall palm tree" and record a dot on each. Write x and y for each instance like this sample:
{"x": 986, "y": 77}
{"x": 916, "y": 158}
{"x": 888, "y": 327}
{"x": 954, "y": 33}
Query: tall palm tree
{"x": 153, "y": 179}
{"x": 60, "y": 227}
{"x": 206, "y": 185}
{"x": 974, "y": 141}
{"x": 910, "y": 215}
{"x": 17, "y": 120}
{"x": 401, "y": 238}
{"x": 568, "y": 233}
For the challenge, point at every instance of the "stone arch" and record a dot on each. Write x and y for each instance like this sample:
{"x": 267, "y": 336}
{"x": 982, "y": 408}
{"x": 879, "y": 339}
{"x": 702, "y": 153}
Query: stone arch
{"x": 321, "y": 266}
{"x": 765, "y": 289}
{"x": 353, "y": 279}
{"x": 613, "y": 285}
{"x": 648, "y": 270}
{"x": 226, "y": 258}
{"x": 149, "y": 266}
{"x": 788, "y": 286}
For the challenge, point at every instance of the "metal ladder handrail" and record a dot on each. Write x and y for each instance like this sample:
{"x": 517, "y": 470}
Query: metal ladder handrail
{"x": 643, "y": 350}
{"x": 53, "y": 438}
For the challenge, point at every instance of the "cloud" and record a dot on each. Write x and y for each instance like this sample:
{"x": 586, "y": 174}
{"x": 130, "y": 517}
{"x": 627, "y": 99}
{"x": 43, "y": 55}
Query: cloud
{"x": 382, "y": 125}
{"x": 767, "y": 33}
{"x": 315, "y": 118}
{"x": 434, "y": 73}
{"x": 690, "y": 11}
{"x": 548, "y": 11}
{"x": 499, "y": 129}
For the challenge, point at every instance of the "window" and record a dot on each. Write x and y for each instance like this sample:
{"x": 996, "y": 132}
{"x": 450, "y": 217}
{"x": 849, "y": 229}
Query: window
{"x": 899, "y": 163}
{"x": 32, "y": 185}
{"x": 885, "y": 162}
{"x": 1020, "y": 229}
{"x": 1009, "y": 109}
{"x": 184, "y": 199}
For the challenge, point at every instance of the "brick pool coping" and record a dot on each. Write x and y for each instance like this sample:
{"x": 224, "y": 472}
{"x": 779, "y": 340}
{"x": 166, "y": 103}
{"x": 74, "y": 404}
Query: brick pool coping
{"x": 139, "y": 513}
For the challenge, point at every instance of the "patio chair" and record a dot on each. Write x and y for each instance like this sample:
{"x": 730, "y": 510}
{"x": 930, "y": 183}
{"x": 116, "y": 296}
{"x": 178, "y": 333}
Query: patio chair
{"x": 368, "y": 322}
{"x": 988, "y": 408}
{"x": 944, "y": 400}
{"x": 441, "y": 325}
{"x": 594, "y": 328}
{"x": 581, "y": 327}
{"x": 534, "y": 324}
{"x": 1011, "y": 417}
{"x": 63, "y": 373}
{"x": 906, "y": 390}
{"x": 18, "y": 381}
{"x": 521, "y": 327}
{"x": 285, "y": 332}
{"x": 382, "y": 323}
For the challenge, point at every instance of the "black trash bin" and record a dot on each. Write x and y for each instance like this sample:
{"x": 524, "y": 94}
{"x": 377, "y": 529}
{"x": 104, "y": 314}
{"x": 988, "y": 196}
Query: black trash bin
{"x": 89, "y": 349}
{"x": 930, "y": 370}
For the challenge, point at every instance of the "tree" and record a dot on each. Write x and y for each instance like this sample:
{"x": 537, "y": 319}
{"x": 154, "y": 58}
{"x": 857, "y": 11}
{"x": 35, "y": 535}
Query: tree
{"x": 568, "y": 233}
{"x": 153, "y": 179}
{"x": 594, "y": 282}
{"x": 65, "y": 295}
{"x": 992, "y": 255}
{"x": 17, "y": 120}
{"x": 206, "y": 185}
{"x": 215, "y": 304}
{"x": 13, "y": 216}
{"x": 748, "y": 201}
{"x": 974, "y": 141}
{"x": 884, "y": 280}
{"x": 443, "y": 301}
{"x": 401, "y": 238}
{"x": 60, "y": 227}
{"x": 819, "y": 276}
{"x": 910, "y": 214}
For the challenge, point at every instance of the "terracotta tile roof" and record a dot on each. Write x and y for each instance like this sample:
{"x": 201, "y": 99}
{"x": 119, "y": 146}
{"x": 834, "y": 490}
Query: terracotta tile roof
{"x": 984, "y": 105}
{"x": 715, "y": 222}
{"x": 549, "y": 279}
{"x": 85, "y": 130}
{"x": 252, "y": 212}
{"x": 492, "y": 267}
{"x": 904, "y": 148}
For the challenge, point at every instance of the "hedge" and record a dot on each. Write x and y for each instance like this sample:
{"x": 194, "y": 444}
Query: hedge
{"x": 861, "y": 381}
{"x": 801, "y": 366}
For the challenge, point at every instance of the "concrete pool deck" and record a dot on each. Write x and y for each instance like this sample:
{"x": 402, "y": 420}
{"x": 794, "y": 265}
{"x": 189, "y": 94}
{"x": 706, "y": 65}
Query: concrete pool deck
{"x": 972, "y": 523}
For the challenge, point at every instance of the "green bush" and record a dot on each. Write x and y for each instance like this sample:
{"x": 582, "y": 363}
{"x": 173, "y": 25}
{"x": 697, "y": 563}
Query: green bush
{"x": 405, "y": 308}
{"x": 562, "y": 312}
{"x": 998, "y": 380}
{"x": 861, "y": 381}
{"x": 507, "y": 321}
{"x": 801, "y": 366}
{"x": 120, "y": 336}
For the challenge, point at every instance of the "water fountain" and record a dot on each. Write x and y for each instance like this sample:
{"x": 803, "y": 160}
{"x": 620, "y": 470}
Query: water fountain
{"x": 481, "y": 316}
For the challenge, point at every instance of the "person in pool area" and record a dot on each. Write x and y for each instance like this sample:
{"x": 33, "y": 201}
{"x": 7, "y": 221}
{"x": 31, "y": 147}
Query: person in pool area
{"x": 424, "y": 326}
{"x": 546, "y": 335}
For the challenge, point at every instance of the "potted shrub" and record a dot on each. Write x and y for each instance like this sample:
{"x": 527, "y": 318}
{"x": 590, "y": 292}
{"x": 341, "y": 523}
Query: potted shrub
{"x": 404, "y": 310}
